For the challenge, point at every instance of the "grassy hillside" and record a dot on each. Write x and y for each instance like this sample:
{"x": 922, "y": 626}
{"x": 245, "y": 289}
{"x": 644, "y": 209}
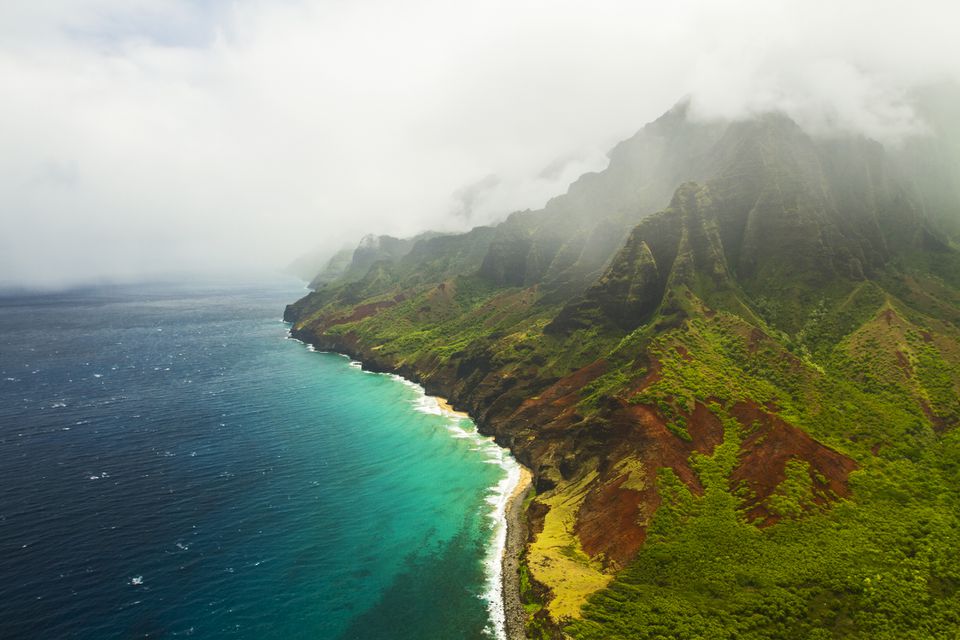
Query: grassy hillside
{"x": 741, "y": 416}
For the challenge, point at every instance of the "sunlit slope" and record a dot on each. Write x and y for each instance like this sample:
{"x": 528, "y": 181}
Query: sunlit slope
{"x": 744, "y": 417}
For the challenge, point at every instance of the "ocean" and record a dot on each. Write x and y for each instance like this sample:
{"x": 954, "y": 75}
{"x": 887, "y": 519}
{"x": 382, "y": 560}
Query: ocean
{"x": 172, "y": 465}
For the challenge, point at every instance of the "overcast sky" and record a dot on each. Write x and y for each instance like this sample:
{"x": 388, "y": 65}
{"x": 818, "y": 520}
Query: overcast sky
{"x": 141, "y": 137}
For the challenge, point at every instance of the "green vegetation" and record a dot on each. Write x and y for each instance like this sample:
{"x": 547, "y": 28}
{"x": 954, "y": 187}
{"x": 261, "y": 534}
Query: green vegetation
{"x": 794, "y": 496}
{"x": 556, "y": 558}
{"x": 748, "y": 412}
{"x": 884, "y": 564}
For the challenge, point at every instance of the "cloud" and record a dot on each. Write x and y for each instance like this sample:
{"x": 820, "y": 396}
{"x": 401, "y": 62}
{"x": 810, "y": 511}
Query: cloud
{"x": 140, "y": 137}
{"x": 833, "y": 67}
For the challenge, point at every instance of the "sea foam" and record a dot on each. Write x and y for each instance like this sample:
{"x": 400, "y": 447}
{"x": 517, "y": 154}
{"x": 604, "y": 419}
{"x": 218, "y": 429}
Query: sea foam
{"x": 497, "y": 498}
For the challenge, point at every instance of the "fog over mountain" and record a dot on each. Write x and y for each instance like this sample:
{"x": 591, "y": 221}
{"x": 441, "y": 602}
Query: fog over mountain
{"x": 140, "y": 137}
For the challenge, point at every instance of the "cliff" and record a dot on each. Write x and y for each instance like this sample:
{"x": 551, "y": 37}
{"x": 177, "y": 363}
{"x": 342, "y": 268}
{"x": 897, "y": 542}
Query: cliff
{"x": 732, "y": 361}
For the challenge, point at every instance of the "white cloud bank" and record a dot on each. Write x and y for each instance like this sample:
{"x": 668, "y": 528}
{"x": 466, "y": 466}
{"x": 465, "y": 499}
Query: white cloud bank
{"x": 140, "y": 137}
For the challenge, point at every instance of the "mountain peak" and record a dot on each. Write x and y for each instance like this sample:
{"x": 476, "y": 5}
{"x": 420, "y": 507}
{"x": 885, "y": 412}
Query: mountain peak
{"x": 702, "y": 341}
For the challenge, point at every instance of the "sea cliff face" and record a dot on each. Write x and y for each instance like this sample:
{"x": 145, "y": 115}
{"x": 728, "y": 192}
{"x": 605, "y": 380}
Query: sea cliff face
{"x": 725, "y": 361}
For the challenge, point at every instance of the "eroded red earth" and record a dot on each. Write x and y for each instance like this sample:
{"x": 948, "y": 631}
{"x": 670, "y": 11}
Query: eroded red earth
{"x": 612, "y": 520}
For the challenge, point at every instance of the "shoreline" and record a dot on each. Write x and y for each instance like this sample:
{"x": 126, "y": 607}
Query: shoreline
{"x": 515, "y": 616}
{"x": 446, "y": 407}
{"x": 513, "y": 542}
{"x": 514, "y": 532}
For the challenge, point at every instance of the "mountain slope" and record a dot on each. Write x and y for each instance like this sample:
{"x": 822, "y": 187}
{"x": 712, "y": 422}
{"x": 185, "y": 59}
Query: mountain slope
{"x": 740, "y": 414}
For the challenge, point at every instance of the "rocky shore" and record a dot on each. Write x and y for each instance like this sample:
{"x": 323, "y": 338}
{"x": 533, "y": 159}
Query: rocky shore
{"x": 517, "y": 531}
{"x": 514, "y": 614}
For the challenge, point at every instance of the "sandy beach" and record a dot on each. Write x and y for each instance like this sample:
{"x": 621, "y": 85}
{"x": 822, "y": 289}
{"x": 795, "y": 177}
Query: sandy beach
{"x": 516, "y": 538}
{"x": 515, "y": 616}
{"x": 446, "y": 407}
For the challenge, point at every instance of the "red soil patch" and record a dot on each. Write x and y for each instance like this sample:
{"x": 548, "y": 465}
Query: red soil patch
{"x": 560, "y": 397}
{"x": 652, "y": 377}
{"x": 609, "y": 521}
{"x": 682, "y": 350}
{"x": 612, "y": 520}
{"x": 705, "y": 429}
{"x": 904, "y": 363}
{"x": 765, "y": 452}
{"x": 939, "y": 423}
{"x": 363, "y": 311}
{"x": 756, "y": 337}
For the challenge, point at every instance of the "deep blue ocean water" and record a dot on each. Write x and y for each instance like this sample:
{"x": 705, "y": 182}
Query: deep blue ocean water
{"x": 171, "y": 464}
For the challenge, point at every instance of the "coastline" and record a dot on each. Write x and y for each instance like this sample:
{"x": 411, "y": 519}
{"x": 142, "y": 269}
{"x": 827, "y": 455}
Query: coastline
{"x": 446, "y": 407}
{"x": 506, "y": 609}
{"x": 515, "y": 616}
{"x": 509, "y": 542}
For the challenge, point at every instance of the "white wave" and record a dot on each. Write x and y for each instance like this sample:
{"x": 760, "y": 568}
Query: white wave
{"x": 460, "y": 434}
{"x": 427, "y": 404}
{"x": 498, "y": 497}
{"x": 494, "y": 560}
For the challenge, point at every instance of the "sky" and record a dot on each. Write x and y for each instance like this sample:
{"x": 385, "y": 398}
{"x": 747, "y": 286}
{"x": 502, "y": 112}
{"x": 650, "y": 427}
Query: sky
{"x": 140, "y": 138}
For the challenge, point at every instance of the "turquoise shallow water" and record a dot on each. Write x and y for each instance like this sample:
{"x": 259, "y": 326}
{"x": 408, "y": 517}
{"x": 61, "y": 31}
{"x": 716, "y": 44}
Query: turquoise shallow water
{"x": 174, "y": 465}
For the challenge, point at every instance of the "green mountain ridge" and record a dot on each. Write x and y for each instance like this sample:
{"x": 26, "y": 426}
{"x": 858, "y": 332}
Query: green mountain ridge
{"x": 732, "y": 361}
